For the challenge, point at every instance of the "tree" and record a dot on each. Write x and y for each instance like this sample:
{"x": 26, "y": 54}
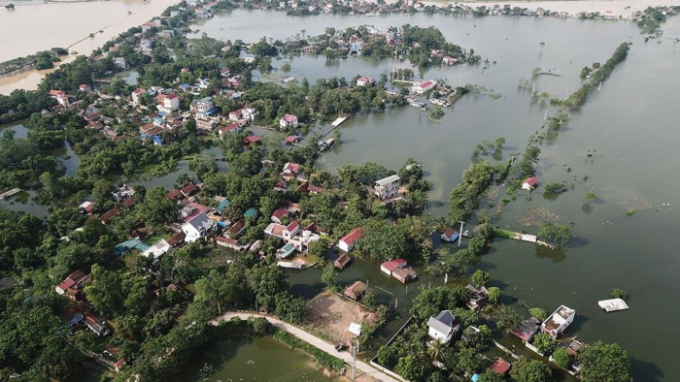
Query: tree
{"x": 525, "y": 370}
{"x": 211, "y": 289}
{"x": 555, "y": 234}
{"x": 410, "y": 368}
{"x": 437, "y": 351}
{"x": 480, "y": 278}
{"x": 544, "y": 343}
{"x": 605, "y": 363}
{"x": 562, "y": 358}
{"x": 555, "y": 188}
{"x": 495, "y": 295}
{"x": 491, "y": 376}
{"x": 619, "y": 293}
{"x": 329, "y": 275}
{"x": 508, "y": 319}
{"x": 261, "y": 326}
{"x": 369, "y": 301}
{"x": 387, "y": 356}
{"x": 538, "y": 313}
{"x": 157, "y": 209}
{"x": 104, "y": 292}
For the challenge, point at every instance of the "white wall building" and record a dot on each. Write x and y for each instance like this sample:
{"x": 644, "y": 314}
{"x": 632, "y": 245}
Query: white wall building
{"x": 387, "y": 188}
{"x": 197, "y": 228}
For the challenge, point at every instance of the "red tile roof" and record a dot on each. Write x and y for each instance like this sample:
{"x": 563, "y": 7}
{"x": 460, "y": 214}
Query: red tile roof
{"x": 393, "y": 264}
{"x": 237, "y": 227}
{"x": 500, "y": 366}
{"x": 228, "y": 241}
{"x": 532, "y": 181}
{"x": 280, "y": 213}
{"x": 252, "y": 139}
{"x": 174, "y": 195}
{"x": 128, "y": 202}
{"x": 292, "y": 226}
{"x": 189, "y": 189}
{"x": 353, "y": 236}
{"x": 110, "y": 214}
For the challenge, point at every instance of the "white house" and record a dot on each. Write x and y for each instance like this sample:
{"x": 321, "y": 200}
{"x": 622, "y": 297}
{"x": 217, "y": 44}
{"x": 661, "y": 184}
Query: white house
{"x": 204, "y": 105}
{"x": 168, "y": 103}
{"x": 292, "y": 235}
{"x": 424, "y": 86}
{"x": 249, "y": 113}
{"x": 347, "y": 242}
{"x": 125, "y": 192}
{"x": 60, "y": 96}
{"x": 288, "y": 120}
{"x": 365, "y": 81}
{"x": 197, "y": 228}
{"x": 157, "y": 250}
{"x": 530, "y": 183}
{"x": 387, "y": 188}
{"x": 448, "y": 60}
{"x": 236, "y": 115}
{"x": 558, "y": 321}
{"x": 442, "y": 327}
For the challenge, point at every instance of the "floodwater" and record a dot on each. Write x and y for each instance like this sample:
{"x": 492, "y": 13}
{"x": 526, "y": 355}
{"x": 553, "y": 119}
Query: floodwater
{"x": 68, "y": 25}
{"x": 630, "y": 123}
{"x": 248, "y": 359}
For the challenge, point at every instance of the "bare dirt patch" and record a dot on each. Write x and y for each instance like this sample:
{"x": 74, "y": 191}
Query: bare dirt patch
{"x": 330, "y": 316}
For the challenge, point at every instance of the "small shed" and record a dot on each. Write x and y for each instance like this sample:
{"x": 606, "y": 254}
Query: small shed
{"x": 404, "y": 275}
{"x": 500, "y": 366}
{"x": 342, "y": 261}
{"x": 356, "y": 290}
{"x": 450, "y": 235}
{"x": 530, "y": 183}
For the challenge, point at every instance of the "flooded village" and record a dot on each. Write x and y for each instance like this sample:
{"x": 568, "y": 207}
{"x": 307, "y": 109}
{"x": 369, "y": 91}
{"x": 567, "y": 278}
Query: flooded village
{"x": 218, "y": 185}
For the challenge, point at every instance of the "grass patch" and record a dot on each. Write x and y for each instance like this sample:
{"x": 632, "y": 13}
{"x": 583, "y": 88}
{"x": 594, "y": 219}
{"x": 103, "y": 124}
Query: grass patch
{"x": 325, "y": 359}
{"x": 495, "y": 96}
{"x": 504, "y": 234}
{"x": 631, "y": 212}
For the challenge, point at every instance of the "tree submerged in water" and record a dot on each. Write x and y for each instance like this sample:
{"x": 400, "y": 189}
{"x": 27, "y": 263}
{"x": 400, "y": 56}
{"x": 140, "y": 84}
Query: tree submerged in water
{"x": 9, "y": 6}
{"x": 437, "y": 114}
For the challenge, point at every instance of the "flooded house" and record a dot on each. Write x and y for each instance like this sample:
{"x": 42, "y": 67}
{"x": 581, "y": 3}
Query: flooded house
{"x": 558, "y": 321}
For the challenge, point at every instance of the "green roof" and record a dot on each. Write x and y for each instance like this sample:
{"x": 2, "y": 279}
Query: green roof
{"x": 223, "y": 205}
{"x": 251, "y": 213}
{"x": 129, "y": 245}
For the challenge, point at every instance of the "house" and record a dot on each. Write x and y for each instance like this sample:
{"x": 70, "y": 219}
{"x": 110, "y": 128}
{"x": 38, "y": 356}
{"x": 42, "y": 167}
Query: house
{"x": 290, "y": 171}
{"x": 404, "y": 275}
{"x": 136, "y": 94}
{"x": 527, "y": 328}
{"x": 197, "y": 228}
{"x": 278, "y": 215}
{"x": 247, "y": 57}
{"x": 389, "y": 266}
{"x": 387, "y": 188}
{"x": 175, "y": 196}
{"x": 157, "y": 250}
{"x": 205, "y": 124}
{"x": 356, "y": 290}
{"x": 443, "y": 327}
{"x": 500, "y": 366}
{"x": 205, "y": 105}
{"x": 167, "y": 103}
{"x": 191, "y": 210}
{"x": 95, "y": 324}
{"x": 87, "y": 207}
{"x": 450, "y": 235}
{"x": 127, "y": 246}
{"x": 189, "y": 190}
{"x": 285, "y": 251}
{"x": 85, "y": 88}
{"x": 229, "y": 243}
{"x": 72, "y": 285}
{"x": 118, "y": 366}
{"x": 292, "y": 234}
{"x": 342, "y": 261}
{"x": 225, "y": 72}
{"x": 252, "y": 140}
{"x": 365, "y": 81}
{"x": 558, "y": 321}
{"x": 424, "y": 86}
{"x": 120, "y": 63}
{"x": 123, "y": 193}
{"x": 347, "y": 242}
{"x": 530, "y": 183}
{"x": 478, "y": 297}
{"x": 60, "y": 96}
{"x": 236, "y": 115}
{"x": 251, "y": 213}
{"x": 288, "y": 120}
{"x": 236, "y": 229}
{"x": 249, "y": 113}
{"x": 233, "y": 128}
{"x": 177, "y": 239}
{"x": 110, "y": 214}
{"x": 448, "y": 60}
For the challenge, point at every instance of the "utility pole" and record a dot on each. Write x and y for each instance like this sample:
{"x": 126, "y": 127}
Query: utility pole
{"x": 460, "y": 234}
{"x": 545, "y": 116}
{"x": 566, "y": 93}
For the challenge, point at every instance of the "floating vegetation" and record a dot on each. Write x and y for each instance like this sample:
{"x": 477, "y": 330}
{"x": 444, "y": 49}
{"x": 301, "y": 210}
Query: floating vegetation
{"x": 631, "y": 212}
{"x": 537, "y": 215}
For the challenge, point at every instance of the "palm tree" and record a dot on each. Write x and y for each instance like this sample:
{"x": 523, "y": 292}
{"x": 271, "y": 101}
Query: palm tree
{"x": 437, "y": 352}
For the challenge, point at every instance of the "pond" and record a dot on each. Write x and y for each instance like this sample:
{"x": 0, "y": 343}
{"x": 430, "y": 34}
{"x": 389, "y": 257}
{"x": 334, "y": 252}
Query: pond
{"x": 244, "y": 359}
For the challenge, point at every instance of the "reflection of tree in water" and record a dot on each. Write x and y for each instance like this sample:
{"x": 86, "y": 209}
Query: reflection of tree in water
{"x": 556, "y": 255}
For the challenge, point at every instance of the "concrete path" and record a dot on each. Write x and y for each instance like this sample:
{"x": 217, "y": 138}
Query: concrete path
{"x": 315, "y": 341}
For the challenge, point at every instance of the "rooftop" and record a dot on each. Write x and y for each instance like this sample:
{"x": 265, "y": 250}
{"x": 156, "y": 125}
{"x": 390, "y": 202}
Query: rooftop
{"x": 388, "y": 180}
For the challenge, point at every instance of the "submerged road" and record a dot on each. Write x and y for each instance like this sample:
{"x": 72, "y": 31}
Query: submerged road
{"x": 312, "y": 340}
